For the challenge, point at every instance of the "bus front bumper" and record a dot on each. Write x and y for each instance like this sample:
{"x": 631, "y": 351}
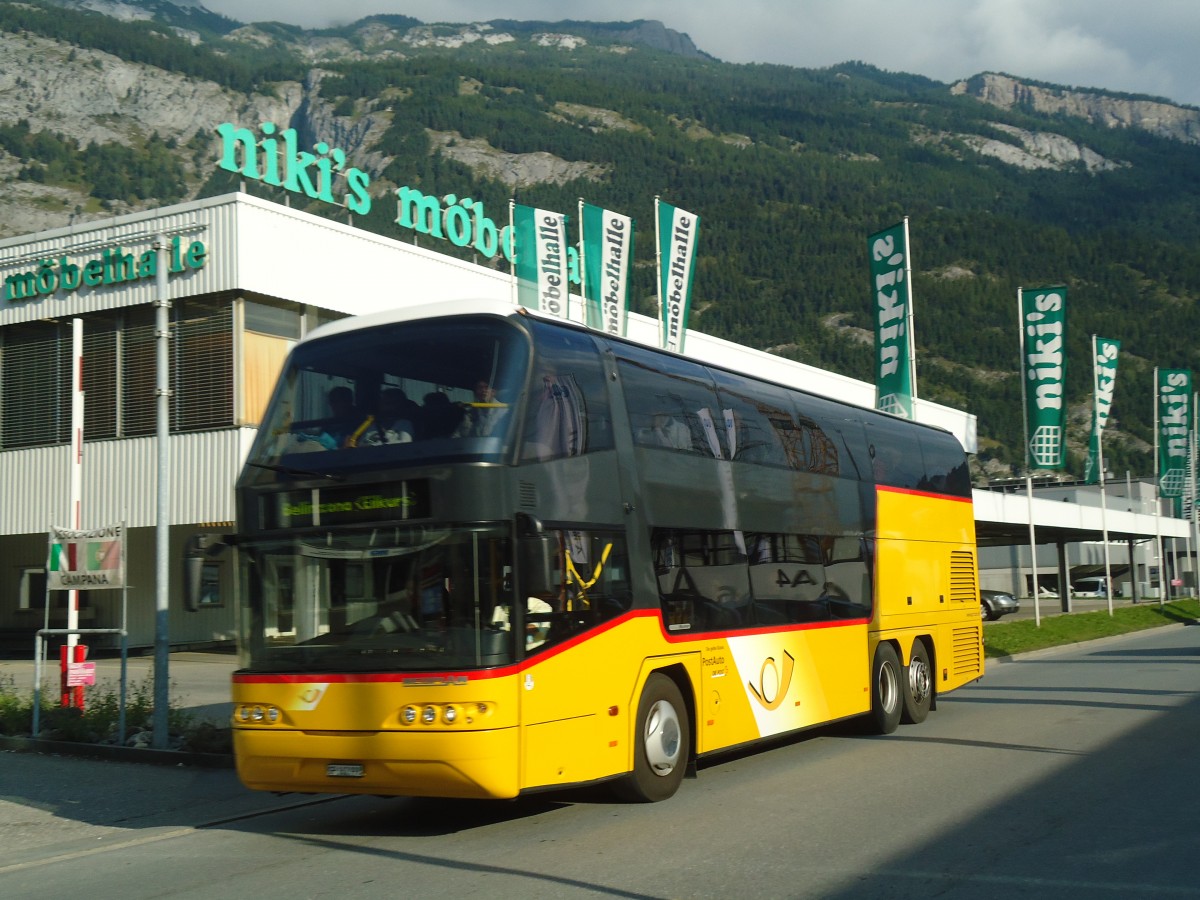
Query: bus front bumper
{"x": 470, "y": 764}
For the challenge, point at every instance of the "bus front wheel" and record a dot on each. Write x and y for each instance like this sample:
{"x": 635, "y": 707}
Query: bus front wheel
{"x": 886, "y": 683}
{"x": 660, "y": 744}
{"x": 918, "y": 685}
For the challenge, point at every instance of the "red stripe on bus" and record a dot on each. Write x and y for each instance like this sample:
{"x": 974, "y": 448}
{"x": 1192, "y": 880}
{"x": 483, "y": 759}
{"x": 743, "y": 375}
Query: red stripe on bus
{"x": 915, "y": 493}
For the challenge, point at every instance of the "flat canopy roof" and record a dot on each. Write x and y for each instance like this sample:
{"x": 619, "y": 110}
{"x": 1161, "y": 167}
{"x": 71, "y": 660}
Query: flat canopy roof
{"x": 1002, "y": 519}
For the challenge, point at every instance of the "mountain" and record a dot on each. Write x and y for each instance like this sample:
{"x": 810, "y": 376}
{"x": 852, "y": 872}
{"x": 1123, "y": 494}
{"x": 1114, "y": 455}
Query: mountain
{"x": 107, "y": 107}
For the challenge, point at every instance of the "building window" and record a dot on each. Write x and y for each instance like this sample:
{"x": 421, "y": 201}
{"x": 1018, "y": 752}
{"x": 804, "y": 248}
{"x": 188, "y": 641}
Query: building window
{"x": 201, "y": 366}
{"x": 119, "y": 374}
{"x": 268, "y": 334}
{"x": 35, "y": 390}
{"x": 31, "y": 592}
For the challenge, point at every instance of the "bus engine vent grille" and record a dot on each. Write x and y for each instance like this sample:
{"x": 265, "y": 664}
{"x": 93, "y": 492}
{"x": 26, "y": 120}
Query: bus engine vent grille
{"x": 962, "y": 577}
{"x": 527, "y": 496}
{"x": 967, "y": 656}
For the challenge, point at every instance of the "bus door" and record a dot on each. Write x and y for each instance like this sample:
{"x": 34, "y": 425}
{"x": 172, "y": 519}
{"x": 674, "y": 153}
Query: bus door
{"x": 568, "y": 683}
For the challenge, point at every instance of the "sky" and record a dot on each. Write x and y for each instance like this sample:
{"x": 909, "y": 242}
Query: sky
{"x": 1146, "y": 47}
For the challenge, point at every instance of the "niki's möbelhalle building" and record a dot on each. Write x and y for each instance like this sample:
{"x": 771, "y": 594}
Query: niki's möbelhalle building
{"x": 247, "y": 278}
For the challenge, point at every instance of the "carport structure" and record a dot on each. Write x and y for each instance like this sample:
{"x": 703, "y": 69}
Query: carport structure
{"x": 1072, "y": 516}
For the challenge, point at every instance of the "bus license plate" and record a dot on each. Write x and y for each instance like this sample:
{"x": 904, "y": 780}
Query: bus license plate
{"x": 344, "y": 770}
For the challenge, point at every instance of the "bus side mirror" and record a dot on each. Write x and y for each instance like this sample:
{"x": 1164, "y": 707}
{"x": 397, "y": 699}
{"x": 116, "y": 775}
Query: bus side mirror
{"x": 199, "y": 550}
{"x": 537, "y": 555}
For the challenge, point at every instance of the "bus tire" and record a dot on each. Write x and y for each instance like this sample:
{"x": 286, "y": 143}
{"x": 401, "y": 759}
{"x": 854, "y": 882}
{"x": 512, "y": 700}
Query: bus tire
{"x": 918, "y": 685}
{"x": 887, "y": 682}
{"x": 661, "y": 743}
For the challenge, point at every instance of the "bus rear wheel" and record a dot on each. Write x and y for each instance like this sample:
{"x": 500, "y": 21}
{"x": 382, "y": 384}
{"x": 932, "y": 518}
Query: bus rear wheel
{"x": 660, "y": 744}
{"x": 918, "y": 685}
{"x": 886, "y": 682}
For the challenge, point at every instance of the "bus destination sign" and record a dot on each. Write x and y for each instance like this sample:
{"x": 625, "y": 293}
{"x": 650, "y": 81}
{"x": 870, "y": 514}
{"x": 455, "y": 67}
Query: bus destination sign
{"x": 343, "y": 506}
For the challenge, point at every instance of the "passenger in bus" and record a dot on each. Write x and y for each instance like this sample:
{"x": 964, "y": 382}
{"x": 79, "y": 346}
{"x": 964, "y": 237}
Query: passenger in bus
{"x": 485, "y": 415}
{"x": 391, "y": 425}
{"x": 438, "y": 417}
{"x": 343, "y": 416}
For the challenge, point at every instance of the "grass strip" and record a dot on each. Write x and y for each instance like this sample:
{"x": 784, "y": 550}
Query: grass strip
{"x": 1009, "y": 638}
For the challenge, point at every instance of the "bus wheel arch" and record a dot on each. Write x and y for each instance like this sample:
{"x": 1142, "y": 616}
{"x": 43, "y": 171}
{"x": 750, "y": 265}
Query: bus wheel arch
{"x": 887, "y": 690}
{"x": 662, "y": 741}
{"x": 919, "y": 685}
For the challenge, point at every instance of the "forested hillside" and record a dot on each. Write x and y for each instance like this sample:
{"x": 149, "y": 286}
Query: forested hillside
{"x": 790, "y": 170}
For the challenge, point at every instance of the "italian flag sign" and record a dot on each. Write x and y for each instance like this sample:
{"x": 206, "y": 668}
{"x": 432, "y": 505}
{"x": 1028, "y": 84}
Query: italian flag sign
{"x": 86, "y": 560}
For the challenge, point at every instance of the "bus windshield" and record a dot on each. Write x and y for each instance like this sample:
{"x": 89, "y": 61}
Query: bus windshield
{"x": 379, "y": 599}
{"x": 395, "y": 394}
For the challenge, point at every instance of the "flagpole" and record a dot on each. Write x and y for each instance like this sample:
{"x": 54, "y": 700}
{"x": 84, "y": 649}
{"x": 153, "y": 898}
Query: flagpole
{"x": 1037, "y": 609}
{"x": 1188, "y": 501}
{"x": 1100, "y": 461}
{"x": 1157, "y": 499}
{"x": 658, "y": 277}
{"x": 512, "y": 254}
{"x": 582, "y": 271}
{"x": 76, "y": 469}
{"x": 912, "y": 339}
{"x": 1193, "y": 532}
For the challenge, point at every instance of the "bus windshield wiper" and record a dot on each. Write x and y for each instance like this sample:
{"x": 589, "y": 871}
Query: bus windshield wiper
{"x": 296, "y": 473}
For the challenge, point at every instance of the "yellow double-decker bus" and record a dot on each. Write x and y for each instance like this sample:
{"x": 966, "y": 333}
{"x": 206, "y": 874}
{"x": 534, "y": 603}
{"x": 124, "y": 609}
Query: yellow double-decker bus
{"x": 484, "y": 553}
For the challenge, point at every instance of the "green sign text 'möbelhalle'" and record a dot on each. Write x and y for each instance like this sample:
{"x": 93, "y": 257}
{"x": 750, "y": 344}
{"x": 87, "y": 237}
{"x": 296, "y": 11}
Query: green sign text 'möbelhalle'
{"x": 274, "y": 157}
{"x": 112, "y": 266}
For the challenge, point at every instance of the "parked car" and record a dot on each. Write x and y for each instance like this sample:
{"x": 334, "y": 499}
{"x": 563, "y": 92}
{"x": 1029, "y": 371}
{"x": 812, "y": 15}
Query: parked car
{"x": 994, "y": 604}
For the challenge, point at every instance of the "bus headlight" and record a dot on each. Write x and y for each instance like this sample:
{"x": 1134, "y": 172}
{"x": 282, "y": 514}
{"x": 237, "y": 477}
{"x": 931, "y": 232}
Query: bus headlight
{"x": 257, "y": 714}
{"x": 450, "y": 715}
{"x": 429, "y": 715}
{"x": 409, "y": 715}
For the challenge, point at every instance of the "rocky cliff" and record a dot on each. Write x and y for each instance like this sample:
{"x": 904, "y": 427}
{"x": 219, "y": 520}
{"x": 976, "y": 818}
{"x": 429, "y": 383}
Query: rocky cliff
{"x": 1111, "y": 110}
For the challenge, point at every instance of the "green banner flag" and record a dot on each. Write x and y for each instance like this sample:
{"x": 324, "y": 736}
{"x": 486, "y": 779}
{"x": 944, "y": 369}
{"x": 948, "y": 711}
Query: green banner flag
{"x": 1173, "y": 413}
{"x": 1044, "y": 373}
{"x": 540, "y": 259}
{"x": 892, "y": 308}
{"x": 678, "y": 231}
{"x": 1104, "y": 380}
{"x": 607, "y": 241}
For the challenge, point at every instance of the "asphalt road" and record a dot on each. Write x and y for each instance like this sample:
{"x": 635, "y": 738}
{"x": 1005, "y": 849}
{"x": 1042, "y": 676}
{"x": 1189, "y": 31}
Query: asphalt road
{"x": 1066, "y": 773}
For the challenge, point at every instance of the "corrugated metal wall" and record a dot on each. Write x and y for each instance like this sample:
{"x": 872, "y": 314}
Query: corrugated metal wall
{"x": 120, "y": 481}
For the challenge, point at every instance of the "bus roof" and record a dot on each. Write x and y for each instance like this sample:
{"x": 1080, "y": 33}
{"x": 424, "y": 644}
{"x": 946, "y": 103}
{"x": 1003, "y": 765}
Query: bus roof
{"x": 483, "y": 306}
{"x": 439, "y": 310}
